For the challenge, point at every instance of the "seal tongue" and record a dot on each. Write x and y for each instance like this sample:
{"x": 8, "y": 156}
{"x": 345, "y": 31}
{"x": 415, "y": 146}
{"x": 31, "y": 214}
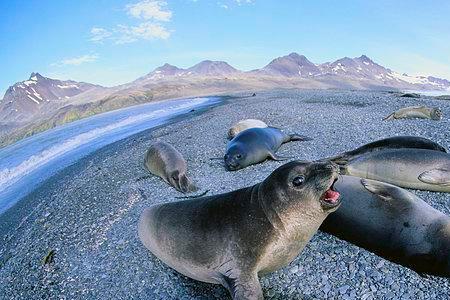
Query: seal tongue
{"x": 331, "y": 196}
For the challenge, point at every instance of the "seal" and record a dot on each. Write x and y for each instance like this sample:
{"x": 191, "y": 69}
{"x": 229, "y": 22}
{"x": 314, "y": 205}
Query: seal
{"x": 410, "y": 168}
{"x": 395, "y": 142}
{"x": 255, "y": 145}
{"x": 231, "y": 239}
{"x": 243, "y": 125}
{"x": 163, "y": 160}
{"x": 392, "y": 223}
{"x": 421, "y": 112}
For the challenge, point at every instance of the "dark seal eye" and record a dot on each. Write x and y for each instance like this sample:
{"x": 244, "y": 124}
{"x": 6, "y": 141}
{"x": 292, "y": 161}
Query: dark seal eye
{"x": 299, "y": 180}
{"x": 238, "y": 156}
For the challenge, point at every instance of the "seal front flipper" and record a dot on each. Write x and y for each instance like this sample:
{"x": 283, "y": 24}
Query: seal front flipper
{"x": 244, "y": 287}
{"x": 298, "y": 137}
{"x": 278, "y": 157}
{"x": 436, "y": 176}
{"x": 385, "y": 191}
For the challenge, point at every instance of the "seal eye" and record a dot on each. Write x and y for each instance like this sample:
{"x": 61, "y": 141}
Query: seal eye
{"x": 239, "y": 156}
{"x": 299, "y": 180}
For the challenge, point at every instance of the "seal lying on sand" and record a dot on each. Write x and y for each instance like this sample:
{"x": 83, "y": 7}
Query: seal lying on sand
{"x": 165, "y": 161}
{"x": 411, "y": 112}
{"x": 233, "y": 238}
{"x": 392, "y": 223}
{"x": 395, "y": 142}
{"x": 410, "y": 168}
{"x": 255, "y": 145}
{"x": 243, "y": 125}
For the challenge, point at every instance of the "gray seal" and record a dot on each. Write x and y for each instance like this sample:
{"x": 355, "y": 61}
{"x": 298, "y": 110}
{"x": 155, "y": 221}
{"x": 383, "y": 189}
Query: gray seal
{"x": 163, "y": 160}
{"x": 255, "y": 145}
{"x": 396, "y": 142}
{"x": 410, "y": 168}
{"x": 243, "y": 125}
{"x": 231, "y": 239}
{"x": 421, "y": 112}
{"x": 392, "y": 223}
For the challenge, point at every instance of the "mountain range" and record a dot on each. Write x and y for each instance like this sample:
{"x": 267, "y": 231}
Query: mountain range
{"x": 39, "y": 103}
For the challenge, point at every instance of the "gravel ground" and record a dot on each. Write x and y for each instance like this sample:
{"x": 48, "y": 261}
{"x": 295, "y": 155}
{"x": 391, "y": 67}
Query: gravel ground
{"x": 87, "y": 214}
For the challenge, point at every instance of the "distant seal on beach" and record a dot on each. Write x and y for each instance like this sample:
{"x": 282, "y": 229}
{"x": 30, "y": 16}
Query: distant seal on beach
{"x": 421, "y": 112}
{"x": 396, "y": 142}
{"x": 392, "y": 223}
{"x": 231, "y": 239}
{"x": 410, "y": 168}
{"x": 163, "y": 160}
{"x": 243, "y": 125}
{"x": 255, "y": 145}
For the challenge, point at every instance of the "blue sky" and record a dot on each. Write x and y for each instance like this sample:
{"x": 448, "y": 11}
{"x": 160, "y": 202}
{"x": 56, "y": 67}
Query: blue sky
{"x": 112, "y": 42}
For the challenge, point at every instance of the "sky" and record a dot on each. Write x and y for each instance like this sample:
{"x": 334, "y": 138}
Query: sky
{"x": 116, "y": 41}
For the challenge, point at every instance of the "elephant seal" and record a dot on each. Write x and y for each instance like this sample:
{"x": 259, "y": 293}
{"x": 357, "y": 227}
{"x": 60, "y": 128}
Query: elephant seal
{"x": 163, "y": 160}
{"x": 255, "y": 145}
{"x": 410, "y": 168}
{"x": 392, "y": 223}
{"x": 231, "y": 239}
{"x": 395, "y": 142}
{"x": 421, "y": 112}
{"x": 243, "y": 125}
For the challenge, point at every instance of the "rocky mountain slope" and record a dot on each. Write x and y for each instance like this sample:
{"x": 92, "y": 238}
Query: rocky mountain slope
{"x": 40, "y": 103}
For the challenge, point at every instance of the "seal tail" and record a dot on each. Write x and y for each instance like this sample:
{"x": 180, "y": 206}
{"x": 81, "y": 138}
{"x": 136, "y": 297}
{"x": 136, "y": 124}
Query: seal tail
{"x": 390, "y": 117}
{"x": 298, "y": 137}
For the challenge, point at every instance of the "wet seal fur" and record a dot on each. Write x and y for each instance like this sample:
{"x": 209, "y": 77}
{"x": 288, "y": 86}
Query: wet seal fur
{"x": 421, "y": 169}
{"x": 255, "y": 145}
{"x": 231, "y": 239}
{"x": 392, "y": 223}
{"x": 163, "y": 160}
{"x": 243, "y": 125}
{"x": 421, "y": 112}
{"x": 396, "y": 142}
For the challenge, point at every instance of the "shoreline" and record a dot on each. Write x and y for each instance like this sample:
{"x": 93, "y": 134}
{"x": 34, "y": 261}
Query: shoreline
{"x": 89, "y": 211}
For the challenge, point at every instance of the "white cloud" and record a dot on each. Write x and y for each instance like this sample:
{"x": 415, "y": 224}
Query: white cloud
{"x": 76, "y": 61}
{"x": 145, "y": 31}
{"x": 240, "y": 2}
{"x": 224, "y": 6}
{"x": 150, "y": 10}
{"x": 98, "y": 34}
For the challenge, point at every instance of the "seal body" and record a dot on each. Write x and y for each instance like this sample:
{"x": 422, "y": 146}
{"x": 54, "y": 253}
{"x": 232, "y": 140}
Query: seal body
{"x": 232, "y": 238}
{"x": 395, "y": 142}
{"x": 392, "y": 223}
{"x": 255, "y": 145}
{"x": 410, "y": 168}
{"x": 163, "y": 160}
{"x": 243, "y": 125}
{"x": 421, "y": 112}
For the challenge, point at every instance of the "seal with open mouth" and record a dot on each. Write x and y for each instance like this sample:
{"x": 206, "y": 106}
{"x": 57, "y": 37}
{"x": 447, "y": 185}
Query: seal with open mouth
{"x": 392, "y": 223}
{"x": 233, "y": 238}
{"x": 255, "y": 145}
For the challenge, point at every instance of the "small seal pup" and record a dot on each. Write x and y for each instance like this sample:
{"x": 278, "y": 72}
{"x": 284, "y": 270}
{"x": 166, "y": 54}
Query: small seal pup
{"x": 410, "y": 168}
{"x": 392, "y": 223}
{"x": 231, "y": 239}
{"x": 243, "y": 125}
{"x": 255, "y": 145}
{"x": 421, "y": 112}
{"x": 163, "y": 160}
{"x": 395, "y": 142}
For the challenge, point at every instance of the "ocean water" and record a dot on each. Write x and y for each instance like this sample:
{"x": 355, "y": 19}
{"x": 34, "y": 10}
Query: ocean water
{"x": 27, "y": 163}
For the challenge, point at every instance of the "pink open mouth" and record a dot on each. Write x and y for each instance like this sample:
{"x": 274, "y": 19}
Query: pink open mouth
{"x": 331, "y": 197}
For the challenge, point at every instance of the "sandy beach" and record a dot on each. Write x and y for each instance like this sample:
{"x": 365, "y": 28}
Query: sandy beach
{"x": 87, "y": 213}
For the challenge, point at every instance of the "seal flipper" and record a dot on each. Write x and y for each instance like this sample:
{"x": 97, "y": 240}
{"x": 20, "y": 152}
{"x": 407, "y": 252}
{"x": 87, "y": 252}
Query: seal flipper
{"x": 278, "y": 157}
{"x": 436, "y": 176}
{"x": 390, "y": 117}
{"x": 244, "y": 288}
{"x": 298, "y": 137}
{"x": 383, "y": 190}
